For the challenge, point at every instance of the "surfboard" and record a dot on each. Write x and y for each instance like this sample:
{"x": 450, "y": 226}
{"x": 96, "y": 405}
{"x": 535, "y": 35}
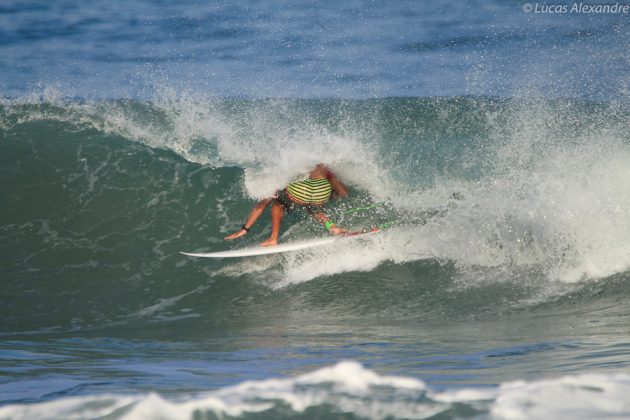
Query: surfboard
{"x": 287, "y": 247}
{"x": 261, "y": 250}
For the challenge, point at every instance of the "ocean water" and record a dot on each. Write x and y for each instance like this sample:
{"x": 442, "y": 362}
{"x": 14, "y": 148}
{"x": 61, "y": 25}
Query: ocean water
{"x": 496, "y": 138}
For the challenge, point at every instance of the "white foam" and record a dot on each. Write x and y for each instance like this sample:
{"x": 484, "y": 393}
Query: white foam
{"x": 69, "y": 408}
{"x": 588, "y": 396}
{"x": 348, "y": 387}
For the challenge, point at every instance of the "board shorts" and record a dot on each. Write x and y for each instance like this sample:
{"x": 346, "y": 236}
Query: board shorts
{"x": 283, "y": 198}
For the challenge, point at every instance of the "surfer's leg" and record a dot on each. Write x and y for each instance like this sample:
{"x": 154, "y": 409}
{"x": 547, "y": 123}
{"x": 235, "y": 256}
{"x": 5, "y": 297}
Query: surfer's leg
{"x": 251, "y": 219}
{"x": 323, "y": 218}
{"x": 277, "y": 212}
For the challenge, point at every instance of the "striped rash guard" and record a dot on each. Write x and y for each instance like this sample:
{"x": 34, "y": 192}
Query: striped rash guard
{"x": 310, "y": 191}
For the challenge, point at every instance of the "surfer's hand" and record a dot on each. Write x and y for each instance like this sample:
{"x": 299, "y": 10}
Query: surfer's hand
{"x": 336, "y": 230}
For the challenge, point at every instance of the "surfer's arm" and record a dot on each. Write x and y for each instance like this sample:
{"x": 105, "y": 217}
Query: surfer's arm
{"x": 329, "y": 224}
{"x": 338, "y": 186}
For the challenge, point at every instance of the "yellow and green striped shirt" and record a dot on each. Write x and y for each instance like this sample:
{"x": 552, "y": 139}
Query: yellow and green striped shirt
{"x": 310, "y": 191}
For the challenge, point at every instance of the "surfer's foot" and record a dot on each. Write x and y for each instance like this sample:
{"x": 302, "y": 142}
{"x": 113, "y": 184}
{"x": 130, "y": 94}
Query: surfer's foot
{"x": 270, "y": 242}
{"x": 235, "y": 235}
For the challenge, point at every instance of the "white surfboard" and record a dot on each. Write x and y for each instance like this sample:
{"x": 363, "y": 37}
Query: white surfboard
{"x": 287, "y": 247}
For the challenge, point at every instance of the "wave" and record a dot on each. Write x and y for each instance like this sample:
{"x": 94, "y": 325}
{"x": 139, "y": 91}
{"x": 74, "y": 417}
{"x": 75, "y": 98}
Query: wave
{"x": 504, "y": 192}
{"x": 350, "y": 390}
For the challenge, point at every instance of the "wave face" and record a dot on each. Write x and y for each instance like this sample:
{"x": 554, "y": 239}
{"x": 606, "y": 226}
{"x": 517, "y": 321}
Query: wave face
{"x": 521, "y": 198}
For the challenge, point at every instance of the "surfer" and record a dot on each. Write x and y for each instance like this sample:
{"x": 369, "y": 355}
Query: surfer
{"x": 311, "y": 194}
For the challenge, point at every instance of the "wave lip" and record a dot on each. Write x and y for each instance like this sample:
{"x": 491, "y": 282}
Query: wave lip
{"x": 351, "y": 390}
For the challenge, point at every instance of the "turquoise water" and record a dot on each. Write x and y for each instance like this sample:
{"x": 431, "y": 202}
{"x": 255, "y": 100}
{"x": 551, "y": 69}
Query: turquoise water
{"x": 129, "y": 133}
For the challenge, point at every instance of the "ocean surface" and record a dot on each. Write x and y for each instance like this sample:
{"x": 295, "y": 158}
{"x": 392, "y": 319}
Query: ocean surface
{"x": 494, "y": 135}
